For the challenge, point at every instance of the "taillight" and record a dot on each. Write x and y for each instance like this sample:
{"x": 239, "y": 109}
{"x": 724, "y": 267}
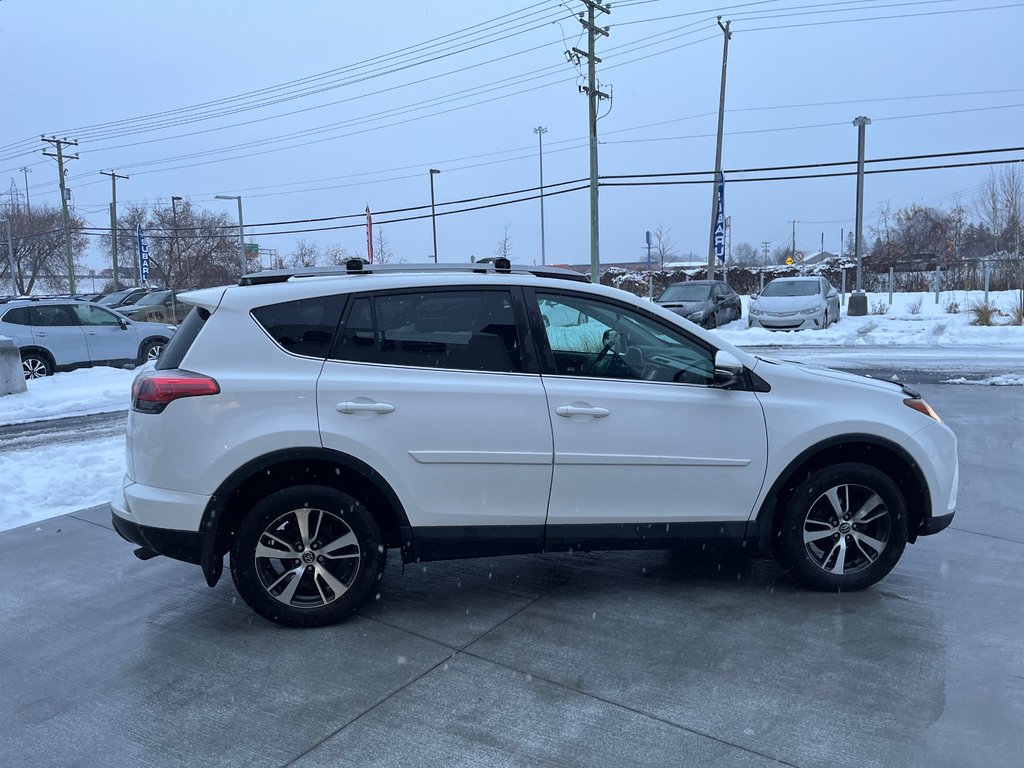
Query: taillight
{"x": 920, "y": 405}
{"x": 151, "y": 392}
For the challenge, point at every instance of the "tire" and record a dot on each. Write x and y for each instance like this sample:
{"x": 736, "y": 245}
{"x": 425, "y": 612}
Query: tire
{"x": 712, "y": 322}
{"x": 35, "y": 365}
{"x": 310, "y": 588}
{"x": 151, "y": 350}
{"x": 844, "y": 528}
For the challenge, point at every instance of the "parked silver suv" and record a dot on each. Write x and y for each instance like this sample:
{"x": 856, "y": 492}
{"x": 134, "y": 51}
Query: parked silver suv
{"x": 304, "y": 423}
{"x": 61, "y": 334}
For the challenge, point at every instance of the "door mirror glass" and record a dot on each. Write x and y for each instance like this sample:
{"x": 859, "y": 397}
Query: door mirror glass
{"x": 728, "y": 369}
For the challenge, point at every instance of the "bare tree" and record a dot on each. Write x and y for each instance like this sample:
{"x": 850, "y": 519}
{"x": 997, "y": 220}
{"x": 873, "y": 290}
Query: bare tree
{"x": 663, "y": 248}
{"x": 336, "y": 255}
{"x": 304, "y": 255}
{"x": 40, "y": 253}
{"x": 988, "y": 206}
{"x": 504, "y": 247}
{"x": 381, "y": 247}
{"x": 745, "y": 255}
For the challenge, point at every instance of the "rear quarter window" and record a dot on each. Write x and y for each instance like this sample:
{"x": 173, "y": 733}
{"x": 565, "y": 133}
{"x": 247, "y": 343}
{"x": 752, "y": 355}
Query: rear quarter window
{"x": 17, "y": 316}
{"x": 305, "y": 327}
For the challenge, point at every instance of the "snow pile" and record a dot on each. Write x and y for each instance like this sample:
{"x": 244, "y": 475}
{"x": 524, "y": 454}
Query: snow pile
{"x": 994, "y": 381}
{"x": 76, "y": 393}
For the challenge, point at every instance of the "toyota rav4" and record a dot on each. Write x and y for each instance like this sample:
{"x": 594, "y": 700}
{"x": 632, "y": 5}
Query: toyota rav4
{"x": 304, "y": 423}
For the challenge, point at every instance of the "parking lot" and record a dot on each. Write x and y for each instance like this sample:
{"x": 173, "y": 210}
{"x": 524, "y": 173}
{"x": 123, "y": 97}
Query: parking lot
{"x": 696, "y": 658}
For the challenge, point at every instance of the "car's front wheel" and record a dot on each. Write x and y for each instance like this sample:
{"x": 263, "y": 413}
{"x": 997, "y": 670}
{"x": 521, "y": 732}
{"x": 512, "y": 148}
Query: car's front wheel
{"x": 307, "y": 556}
{"x": 151, "y": 350}
{"x": 36, "y": 365}
{"x": 844, "y": 528}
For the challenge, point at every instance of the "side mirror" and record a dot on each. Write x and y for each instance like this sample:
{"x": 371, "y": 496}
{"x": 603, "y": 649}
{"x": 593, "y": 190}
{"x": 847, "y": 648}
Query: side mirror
{"x": 754, "y": 295}
{"x": 728, "y": 369}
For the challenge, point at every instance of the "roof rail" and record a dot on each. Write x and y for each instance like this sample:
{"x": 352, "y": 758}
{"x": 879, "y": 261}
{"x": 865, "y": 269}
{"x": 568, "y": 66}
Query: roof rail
{"x": 360, "y": 266}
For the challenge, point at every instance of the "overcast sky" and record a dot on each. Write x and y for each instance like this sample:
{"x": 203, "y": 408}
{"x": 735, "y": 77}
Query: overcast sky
{"x": 401, "y": 87}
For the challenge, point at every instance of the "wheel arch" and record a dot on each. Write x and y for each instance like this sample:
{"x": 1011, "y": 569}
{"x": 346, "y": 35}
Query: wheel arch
{"x": 151, "y": 338}
{"x": 298, "y": 466}
{"x": 35, "y": 349}
{"x": 877, "y": 452}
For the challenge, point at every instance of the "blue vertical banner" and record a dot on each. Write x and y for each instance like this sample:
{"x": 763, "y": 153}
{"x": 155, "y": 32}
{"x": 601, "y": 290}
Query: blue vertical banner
{"x": 720, "y": 220}
{"x": 143, "y": 256}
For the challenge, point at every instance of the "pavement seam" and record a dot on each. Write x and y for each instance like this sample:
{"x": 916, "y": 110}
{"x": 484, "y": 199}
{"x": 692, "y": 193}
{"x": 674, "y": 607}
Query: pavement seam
{"x": 634, "y": 710}
{"x": 986, "y": 535}
{"x": 454, "y": 653}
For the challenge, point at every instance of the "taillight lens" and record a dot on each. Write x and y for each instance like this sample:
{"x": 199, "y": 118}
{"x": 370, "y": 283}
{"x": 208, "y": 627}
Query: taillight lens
{"x": 153, "y": 391}
{"x": 920, "y": 405}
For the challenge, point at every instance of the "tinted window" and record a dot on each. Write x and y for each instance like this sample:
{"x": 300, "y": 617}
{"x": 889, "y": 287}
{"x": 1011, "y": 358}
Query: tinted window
{"x": 17, "y": 316}
{"x": 53, "y": 315}
{"x": 616, "y": 342}
{"x": 182, "y": 339}
{"x": 90, "y": 315}
{"x": 304, "y": 327}
{"x": 461, "y": 330}
{"x": 791, "y": 288}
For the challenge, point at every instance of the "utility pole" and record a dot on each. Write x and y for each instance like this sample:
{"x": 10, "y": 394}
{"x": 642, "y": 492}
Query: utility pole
{"x": 113, "y": 222}
{"x": 792, "y": 250}
{"x": 174, "y": 242}
{"x": 10, "y": 259}
{"x": 540, "y": 131}
{"x": 28, "y": 205}
{"x": 433, "y": 210}
{"x": 858, "y": 299}
{"x": 241, "y": 229}
{"x": 718, "y": 149}
{"x": 765, "y": 245}
{"x": 65, "y": 193}
{"x": 593, "y": 96}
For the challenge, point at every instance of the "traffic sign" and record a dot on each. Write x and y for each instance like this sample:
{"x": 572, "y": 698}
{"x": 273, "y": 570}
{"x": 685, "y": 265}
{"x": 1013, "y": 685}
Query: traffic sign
{"x": 799, "y": 256}
{"x": 789, "y": 261}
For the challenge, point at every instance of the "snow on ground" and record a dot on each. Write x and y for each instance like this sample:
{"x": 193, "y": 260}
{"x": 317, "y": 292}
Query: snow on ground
{"x": 39, "y": 483}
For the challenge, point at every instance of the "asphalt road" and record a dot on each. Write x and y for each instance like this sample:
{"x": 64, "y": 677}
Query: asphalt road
{"x": 653, "y": 658}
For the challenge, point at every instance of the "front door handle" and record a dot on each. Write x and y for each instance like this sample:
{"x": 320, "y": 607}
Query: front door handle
{"x": 582, "y": 410}
{"x": 357, "y": 406}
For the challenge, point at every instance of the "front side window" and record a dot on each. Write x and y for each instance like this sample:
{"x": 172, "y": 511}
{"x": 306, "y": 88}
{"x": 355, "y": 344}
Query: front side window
{"x": 90, "y": 315}
{"x": 303, "y": 327}
{"x": 457, "y": 330}
{"x": 617, "y": 342}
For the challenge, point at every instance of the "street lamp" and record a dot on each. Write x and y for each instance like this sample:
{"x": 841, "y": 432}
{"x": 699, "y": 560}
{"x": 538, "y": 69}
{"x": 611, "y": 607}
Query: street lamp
{"x": 433, "y": 211}
{"x": 241, "y": 228}
{"x": 540, "y": 131}
{"x": 174, "y": 242}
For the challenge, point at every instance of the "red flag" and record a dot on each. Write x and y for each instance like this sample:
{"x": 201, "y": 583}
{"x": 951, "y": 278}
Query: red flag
{"x": 369, "y": 235}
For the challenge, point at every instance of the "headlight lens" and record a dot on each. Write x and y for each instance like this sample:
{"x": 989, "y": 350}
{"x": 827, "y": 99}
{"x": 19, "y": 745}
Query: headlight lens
{"x": 696, "y": 316}
{"x": 811, "y": 311}
{"x": 921, "y": 406}
{"x": 756, "y": 311}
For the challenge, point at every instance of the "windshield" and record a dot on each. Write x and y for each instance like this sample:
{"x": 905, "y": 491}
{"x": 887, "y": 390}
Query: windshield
{"x": 686, "y": 292}
{"x": 791, "y": 288}
{"x": 153, "y": 298}
{"x": 115, "y": 298}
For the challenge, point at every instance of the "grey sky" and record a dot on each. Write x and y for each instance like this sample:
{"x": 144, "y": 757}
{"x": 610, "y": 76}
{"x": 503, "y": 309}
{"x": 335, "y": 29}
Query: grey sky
{"x": 73, "y": 65}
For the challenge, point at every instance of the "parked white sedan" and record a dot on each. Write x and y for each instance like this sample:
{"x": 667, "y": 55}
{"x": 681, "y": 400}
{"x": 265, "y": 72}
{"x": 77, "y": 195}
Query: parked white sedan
{"x": 795, "y": 303}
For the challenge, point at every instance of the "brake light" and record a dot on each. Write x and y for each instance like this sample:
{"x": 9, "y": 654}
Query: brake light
{"x": 920, "y": 405}
{"x": 153, "y": 391}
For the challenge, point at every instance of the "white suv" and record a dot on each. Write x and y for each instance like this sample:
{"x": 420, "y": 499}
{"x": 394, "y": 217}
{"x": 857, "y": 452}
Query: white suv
{"x": 307, "y": 422}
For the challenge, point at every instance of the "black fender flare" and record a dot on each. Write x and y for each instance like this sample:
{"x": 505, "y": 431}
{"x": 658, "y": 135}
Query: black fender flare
{"x": 212, "y": 560}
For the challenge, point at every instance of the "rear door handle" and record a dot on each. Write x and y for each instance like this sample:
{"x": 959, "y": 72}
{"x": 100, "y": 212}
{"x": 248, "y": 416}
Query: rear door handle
{"x": 582, "y": 410}
{"x": 356, "y": 406}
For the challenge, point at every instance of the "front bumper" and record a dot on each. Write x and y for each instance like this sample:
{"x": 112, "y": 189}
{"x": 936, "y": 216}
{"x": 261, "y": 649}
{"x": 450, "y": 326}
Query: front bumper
{"x": 787, "y": 323}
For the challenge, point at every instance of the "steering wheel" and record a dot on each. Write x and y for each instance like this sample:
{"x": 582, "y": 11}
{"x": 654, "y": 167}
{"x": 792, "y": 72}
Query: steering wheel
{"x": 604, "y": 358}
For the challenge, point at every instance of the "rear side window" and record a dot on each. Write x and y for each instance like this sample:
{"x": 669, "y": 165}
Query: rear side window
{"x": 53, "y": 315}
{"x": 17, "y": 316}
{"x": 304, "y": 327}
{"x": 457, "y": 330}
{"x": 182, "y": 339}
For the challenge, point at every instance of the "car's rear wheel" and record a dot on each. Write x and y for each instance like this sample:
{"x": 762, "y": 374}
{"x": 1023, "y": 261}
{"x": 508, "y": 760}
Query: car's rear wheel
{"x": 36, "y": 365}
{"x": 307, "y": 556}
{"x": 151, "y": 350}
{"x": 844, "y": 528}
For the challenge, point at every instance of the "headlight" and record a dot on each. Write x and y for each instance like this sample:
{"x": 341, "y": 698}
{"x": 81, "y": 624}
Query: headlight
{"x": 172, "y": 327}
{"x": 756, "y": 311}
{"x": 696, "y": 316}
{"x": 811, "y": 311}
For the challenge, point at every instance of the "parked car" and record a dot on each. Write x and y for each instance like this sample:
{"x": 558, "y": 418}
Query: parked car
{"x": 794, "y": 303}
{"x": 123, "y": 297}
{"x": 305, "y": 426}
{"x": 710, "y": 303}
{"x": 157, "y": 307}
{"x": 61, "y": 334}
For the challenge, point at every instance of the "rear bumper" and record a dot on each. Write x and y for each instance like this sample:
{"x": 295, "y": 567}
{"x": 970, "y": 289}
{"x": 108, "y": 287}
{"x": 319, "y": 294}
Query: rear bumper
{"x": 178, "y": 545}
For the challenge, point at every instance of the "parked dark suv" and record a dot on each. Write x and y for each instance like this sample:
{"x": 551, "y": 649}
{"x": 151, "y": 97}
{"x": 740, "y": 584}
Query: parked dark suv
{"x": 709, "y": 303}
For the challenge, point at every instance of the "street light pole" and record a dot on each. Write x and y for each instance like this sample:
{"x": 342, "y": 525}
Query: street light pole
{"x": 858, "y": 299}
{"x": 540, "y": 131}
{"x": 718, "y": 147}
{"x": 241, "y": 228}
{"x": 433, "y": 211}
{"x": 174, "y": 241}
